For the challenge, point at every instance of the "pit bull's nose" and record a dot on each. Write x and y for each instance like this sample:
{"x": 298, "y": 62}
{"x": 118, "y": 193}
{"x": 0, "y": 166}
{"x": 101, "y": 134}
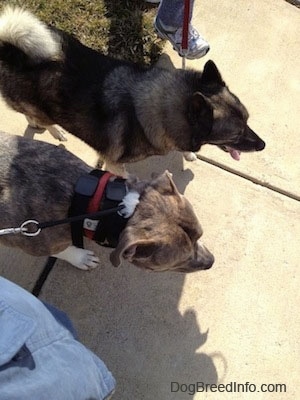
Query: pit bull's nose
{"x": 204, "y": 257}
{"x": 208, "y": 263}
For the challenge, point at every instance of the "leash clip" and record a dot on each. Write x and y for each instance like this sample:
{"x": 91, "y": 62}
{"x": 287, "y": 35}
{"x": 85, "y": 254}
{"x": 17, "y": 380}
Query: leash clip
{"x": 23, "y": 230}
{"x": 9, "y": 231}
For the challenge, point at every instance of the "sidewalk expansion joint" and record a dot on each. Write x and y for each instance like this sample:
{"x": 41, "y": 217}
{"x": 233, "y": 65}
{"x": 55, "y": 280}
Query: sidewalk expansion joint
{"x": 249, "y": 178}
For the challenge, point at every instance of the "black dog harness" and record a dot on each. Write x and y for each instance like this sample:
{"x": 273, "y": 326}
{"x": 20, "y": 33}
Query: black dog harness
{"x": 95, "y": 192}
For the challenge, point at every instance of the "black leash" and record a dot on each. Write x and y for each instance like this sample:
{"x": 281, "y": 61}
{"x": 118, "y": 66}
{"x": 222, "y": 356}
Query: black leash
{"x": 43, "y": 276}
{"x": 23, "y": 229}
{"x": 48, "y": 224}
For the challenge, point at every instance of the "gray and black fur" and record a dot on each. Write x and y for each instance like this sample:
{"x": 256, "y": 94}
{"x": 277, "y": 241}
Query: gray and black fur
{"x": 125, "y": 111}
{"x": 37, "y": 182}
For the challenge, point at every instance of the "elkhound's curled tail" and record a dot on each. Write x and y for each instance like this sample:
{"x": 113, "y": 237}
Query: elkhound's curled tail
{"x": 23, "y": 31}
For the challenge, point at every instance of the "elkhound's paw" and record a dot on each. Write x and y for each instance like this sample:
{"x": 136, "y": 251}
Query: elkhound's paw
{"x": 57, "y": 132}
{"x": 80, "y": 258}
{"x": 189, "y": 156}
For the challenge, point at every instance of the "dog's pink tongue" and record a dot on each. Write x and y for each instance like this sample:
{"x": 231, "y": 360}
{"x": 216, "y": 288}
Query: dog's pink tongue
{"x": 235, "y": 154}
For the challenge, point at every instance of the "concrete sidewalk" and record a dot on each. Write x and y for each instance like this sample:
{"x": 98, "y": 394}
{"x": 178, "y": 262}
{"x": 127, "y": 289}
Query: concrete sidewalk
{"x": 239, "y": 321}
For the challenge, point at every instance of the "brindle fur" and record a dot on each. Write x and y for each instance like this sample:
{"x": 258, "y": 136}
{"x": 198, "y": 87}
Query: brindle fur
{"x": 37, "y": 181}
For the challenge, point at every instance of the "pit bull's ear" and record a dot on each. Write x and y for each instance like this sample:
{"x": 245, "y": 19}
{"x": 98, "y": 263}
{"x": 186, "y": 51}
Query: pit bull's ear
{"x": 164, "y": 184}
{"x": 131, "y": 250}
{"x": 211, "y": 74}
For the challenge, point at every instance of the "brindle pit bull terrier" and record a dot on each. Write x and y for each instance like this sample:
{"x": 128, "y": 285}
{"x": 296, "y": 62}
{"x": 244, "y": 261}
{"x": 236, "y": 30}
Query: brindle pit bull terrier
{"x": 159, "y": 231}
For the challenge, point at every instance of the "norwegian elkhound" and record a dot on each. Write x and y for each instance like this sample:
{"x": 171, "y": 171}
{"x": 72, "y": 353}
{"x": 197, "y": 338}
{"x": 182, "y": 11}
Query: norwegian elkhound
{"x": 125, "y": 111}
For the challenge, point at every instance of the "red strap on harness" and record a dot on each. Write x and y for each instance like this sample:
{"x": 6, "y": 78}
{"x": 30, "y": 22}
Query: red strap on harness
{"x": 96, "y": 199}
{"x": 185, "y": 26}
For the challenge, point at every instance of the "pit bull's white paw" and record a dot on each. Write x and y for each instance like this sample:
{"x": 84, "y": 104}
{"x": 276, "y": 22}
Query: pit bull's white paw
{"x": 57, "y": 132}
{"x": 87, "y": 260}
{"x": 80, "y": 258}
{"x": 189, "y": 156}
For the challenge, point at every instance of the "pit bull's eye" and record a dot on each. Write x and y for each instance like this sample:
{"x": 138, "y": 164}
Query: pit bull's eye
{"x": 193, "y": 234}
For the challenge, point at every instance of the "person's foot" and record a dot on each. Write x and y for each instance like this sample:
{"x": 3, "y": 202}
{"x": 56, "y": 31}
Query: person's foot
{"x": 198, "y": 46}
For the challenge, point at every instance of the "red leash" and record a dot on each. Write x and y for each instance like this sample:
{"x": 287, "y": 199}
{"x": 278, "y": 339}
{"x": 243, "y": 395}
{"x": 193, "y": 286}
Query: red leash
{"x": 185, "y": 30}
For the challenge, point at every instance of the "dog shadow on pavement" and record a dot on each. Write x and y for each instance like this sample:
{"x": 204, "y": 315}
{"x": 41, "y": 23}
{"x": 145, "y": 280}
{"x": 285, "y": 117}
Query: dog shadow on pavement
{"x": 173, "y": 162}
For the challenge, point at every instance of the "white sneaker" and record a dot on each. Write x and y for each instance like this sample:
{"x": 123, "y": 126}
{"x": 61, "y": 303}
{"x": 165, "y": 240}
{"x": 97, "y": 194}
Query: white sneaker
{"x": 198, "y": 46}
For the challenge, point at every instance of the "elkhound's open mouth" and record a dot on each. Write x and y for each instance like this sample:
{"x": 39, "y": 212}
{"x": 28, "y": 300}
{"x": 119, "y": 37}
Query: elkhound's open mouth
{"x": 235, "y": 154}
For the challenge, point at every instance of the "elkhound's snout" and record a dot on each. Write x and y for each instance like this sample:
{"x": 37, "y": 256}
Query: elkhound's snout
{"x": 260, "y": 145}
{"x": 250, "y": 141}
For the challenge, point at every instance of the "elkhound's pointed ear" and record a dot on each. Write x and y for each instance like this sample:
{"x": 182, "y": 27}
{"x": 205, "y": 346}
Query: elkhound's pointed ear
{"x": 211, "y": 74}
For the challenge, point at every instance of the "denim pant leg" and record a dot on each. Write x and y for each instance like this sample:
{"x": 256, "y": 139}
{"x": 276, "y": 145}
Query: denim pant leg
{"x": 62, "y": 318}
{"x": 171, "y": 12}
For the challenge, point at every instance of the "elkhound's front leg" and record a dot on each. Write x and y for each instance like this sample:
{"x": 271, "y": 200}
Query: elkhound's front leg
{"x": 80, "y": 258}
{"x": 57, "y": 132}
{"x": 189, "y": 156}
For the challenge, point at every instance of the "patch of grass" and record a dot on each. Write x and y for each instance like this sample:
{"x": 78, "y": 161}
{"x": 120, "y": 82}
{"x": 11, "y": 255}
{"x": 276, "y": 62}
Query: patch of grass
{"x": 120, "y": 28}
